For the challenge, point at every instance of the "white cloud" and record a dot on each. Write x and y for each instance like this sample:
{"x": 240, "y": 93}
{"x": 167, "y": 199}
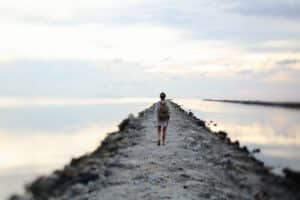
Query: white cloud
{"x": 166, "y": 38}
{"x": 66, "y": 10}
{"x": 91, "y": 41}
{"x": 137, "y": 43}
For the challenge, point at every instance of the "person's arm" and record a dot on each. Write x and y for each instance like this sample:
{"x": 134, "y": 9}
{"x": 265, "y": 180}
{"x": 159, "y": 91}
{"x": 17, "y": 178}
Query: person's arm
{"x": 169, "y": 112}
{"x": 156, "y": 111}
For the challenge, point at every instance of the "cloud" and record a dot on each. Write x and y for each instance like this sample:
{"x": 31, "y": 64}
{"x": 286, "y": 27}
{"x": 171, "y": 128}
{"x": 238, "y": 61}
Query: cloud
{"x": 76, "y": 47}
{"x": 280, "y": 77}
{"x": 288, "y": 62}
{"x": 270, "y": 8}
{"x": 291, "y": 63}
{"x": 104, "y": 29}
{"x": 276, "y": 46}
{"x": 64, "y": 12}
{"x": 21, "y": 41}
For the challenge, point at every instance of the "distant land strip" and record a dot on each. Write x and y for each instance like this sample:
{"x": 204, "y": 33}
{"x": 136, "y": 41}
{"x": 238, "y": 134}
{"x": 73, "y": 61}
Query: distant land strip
{"x": 292, "y": 105}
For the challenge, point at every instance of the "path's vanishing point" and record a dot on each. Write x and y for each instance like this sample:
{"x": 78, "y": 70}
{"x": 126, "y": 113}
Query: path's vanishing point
{"x": 194, "y": 164}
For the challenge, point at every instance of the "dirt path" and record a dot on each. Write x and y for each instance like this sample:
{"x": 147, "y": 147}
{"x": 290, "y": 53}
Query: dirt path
{"x": 194, "y": 164}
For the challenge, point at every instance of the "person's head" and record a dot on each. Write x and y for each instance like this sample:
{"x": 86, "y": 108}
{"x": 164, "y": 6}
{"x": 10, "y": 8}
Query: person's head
{"x": 162, "y": 96}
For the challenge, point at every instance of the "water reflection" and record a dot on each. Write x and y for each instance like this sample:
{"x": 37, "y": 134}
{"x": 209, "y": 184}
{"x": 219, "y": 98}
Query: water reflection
{"x": 25, "y": 156}
{"x": 42, "y": 134}
{"x": 48, "y": 148}
{"x": 263, "y": 134}
{"x": 274, "y": 130}
{"x": 48, "y": 114}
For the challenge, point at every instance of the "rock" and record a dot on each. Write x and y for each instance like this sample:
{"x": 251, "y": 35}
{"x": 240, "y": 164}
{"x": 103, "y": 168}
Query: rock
{"x": 107, "y": 173}
{"x": 190, "y": 113}
{"x": 77, "y": 189}
{"x": 185, "y": 176}
{"x": 205, "y": 144}
{"x": 256, "y": 150}
{"x": 260, "y": 195}
{"x": 155, "y": 179}
{"x": 222, "y": 135}
{"x": 226, "y": 162}
{"x": 245, "y": 149}
{"x": 292, "y": 176}
{"x": 130, "y": 122}
{"x": 17, "y": 197}
{"x": 123, "y": 124}
{"x": 141, "y": 114}
{"x": 236, "y": 144}
{"x": 204, "y": 195}
{"x": 43, "y": 186}
{"x": 68, "y": 172}
{"x": 191, "y": 140}
{"x": 87, "y": 176}
{"x": 76, "y": 161}
{"x": 227, "y": 140}
{"x": 94, "y": 185}
{"x": 200, "y": 123}
{"x": 227, "y": 155}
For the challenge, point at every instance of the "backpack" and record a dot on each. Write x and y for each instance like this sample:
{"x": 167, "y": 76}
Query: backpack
{"x": 163, "y": 112}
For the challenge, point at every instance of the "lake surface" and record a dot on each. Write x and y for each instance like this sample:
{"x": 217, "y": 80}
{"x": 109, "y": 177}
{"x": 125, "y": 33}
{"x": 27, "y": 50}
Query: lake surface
{"x": 274, "y": 130}
{"x": 42, "y": 134}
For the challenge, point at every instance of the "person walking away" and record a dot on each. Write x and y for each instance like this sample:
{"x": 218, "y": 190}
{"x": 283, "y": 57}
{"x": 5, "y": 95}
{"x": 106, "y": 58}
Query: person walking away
{"x": 162, "y": 113}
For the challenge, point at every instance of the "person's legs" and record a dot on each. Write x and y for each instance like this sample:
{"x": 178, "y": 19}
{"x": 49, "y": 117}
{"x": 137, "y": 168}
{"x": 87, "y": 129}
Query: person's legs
{"x": 158, "y": 134}
{"x": 164, "y": 135}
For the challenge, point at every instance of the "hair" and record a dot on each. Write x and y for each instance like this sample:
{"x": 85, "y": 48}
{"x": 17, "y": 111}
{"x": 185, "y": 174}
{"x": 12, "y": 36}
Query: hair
{"x": 162, "y": 96}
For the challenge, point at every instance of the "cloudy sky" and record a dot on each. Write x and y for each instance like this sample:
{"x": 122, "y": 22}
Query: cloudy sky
{"x": 194, "y": 48}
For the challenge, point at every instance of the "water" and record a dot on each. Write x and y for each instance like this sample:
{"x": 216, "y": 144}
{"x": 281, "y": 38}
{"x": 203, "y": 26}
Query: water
{"x": 276, "y": 131}
{"x": 42, "y": 134}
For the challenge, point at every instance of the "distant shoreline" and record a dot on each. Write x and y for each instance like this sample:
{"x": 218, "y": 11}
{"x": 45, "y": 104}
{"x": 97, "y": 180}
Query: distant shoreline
{"x": 291, "y": 105}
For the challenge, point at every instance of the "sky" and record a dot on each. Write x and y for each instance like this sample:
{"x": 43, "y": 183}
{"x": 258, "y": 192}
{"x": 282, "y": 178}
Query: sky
{"x": 232, "y": 49}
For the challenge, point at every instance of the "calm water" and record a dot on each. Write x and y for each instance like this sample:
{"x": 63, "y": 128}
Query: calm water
{"x": 39, "y": 135}
{"x": 276, "y": 131}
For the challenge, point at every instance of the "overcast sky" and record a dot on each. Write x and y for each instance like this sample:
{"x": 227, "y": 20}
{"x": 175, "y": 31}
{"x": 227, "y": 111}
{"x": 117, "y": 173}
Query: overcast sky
{"x": 195, "y": 48}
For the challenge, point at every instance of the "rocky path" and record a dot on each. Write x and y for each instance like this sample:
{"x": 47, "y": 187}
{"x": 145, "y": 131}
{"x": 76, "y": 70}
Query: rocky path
{"x": 194, "y": 164}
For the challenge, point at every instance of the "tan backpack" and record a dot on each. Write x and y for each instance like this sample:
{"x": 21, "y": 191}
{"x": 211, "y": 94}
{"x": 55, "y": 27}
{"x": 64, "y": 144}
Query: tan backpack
{"x": 163, "y": 112}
